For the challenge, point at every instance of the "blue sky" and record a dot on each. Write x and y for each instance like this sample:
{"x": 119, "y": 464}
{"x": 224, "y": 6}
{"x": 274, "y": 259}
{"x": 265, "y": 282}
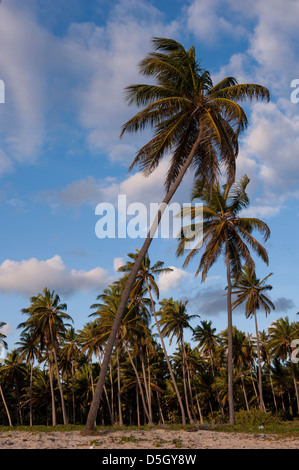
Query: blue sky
{"x": 65, "y": 65}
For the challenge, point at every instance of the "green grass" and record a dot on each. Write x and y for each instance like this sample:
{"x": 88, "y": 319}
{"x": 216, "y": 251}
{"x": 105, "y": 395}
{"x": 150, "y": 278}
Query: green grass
{"x": 282, "y": 428}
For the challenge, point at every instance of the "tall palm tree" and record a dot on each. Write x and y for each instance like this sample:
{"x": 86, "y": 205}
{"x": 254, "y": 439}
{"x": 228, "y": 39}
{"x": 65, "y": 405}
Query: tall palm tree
{"x": 250, "y": 289}
{"x": 197, "y": 121}
{"x": 224, "y": 232}
{"x": 282, "y": 333}
{"x": 146, "y": 276}
{"x": 46, "y": 324}
{"x": 173, "y": 320}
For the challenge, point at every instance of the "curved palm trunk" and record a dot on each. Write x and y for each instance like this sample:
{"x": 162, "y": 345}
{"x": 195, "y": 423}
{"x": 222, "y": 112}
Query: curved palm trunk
{"x": 230, "y": 338}
{"x": 5, "y": 406}
{"x": 129, "y": 284}
{"x": 166, "y": 356}
{"x": 150, "y": 422}
{"x": 262, "y": 406}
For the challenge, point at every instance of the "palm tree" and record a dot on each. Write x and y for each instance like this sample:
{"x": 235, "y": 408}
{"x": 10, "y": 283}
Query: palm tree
{"x": 281, "y": 334}
{"x": 197, "y": 121}
{"x": 173, "y": 320}
{"x": 13, "y": 371}
{"x": 224, "y": 232}
{"x": 46, "y": 324}
{"x": 250, "y": 289}
{"x": 70, "y": 352}
{"x": 207, "y": 341}
{"x": 146, "y": 275}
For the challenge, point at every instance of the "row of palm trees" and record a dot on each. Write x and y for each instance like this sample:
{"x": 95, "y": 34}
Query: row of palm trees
{"x": 51, "y": 376}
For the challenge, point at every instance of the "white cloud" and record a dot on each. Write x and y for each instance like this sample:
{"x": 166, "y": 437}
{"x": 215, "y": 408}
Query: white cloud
{"x": 29, "y": 277}
{"x": 172, "y": 280}
{"x": 207, "y": 21}
{"x": 117, "y": 263}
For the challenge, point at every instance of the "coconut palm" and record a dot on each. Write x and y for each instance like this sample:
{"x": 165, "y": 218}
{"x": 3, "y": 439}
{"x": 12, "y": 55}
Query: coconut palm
{"x": 46, "y": 325}
{"x": 13, "y": 371}
{"x": 197, "y": 121}
{"x": 173, "y": 319}
{"x": 282, "y": 333}
{"x": 70, "y": 353}
{"x": 207, "y": 341}
{"x": 250, "y": 289}
{"x": 223, "y": 232}
{"x": 29, "y": 350}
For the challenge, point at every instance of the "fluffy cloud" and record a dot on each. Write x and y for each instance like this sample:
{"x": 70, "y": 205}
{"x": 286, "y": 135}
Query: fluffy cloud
{"x": 172, "y": 280}
{"x": 28, "y": 277}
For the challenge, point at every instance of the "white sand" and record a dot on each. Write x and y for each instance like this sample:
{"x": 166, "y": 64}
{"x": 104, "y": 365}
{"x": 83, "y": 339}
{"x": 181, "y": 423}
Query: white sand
{"x": 140, "y": 439}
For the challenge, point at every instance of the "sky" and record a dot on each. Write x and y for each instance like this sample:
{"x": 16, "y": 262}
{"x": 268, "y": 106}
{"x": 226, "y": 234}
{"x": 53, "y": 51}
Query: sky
{"x": 64, "y": 65}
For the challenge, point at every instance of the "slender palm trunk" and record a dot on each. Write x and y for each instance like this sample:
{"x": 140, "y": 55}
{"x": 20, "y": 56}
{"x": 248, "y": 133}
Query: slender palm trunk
{"x": 120, "y": 415}
{"x": 52, "y": 391}
{"x": 166, "y": 356}
{"x": 215, "y": 382}
{"x": 139, "y": 385}
{"x": 147, "y": 392}
{"x": 230, "y": 338}
{"x": 244, "y": 390}
{"x": 112, "y": 393}
{"x": 129, "y": 284}
{"x": 262, "y": 406}
{"x": 271, "y": 383}
{"x": 185, "y": 380}
{"x": 30, "y": 393}
{"x": 149, "y": 384}
{"x": 295, "y": 383}
{"x": 5, "y": 406}
{"x": 73, "y": 394}
{"x": 137, "y": 406}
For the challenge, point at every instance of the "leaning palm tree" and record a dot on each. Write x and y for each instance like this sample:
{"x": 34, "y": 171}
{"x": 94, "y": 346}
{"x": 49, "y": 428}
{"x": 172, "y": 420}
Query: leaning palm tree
{"x": 223, "y": 232}
{"x": 46, "y": 324}
{"x": 195, "y": 120}
{"x": 250, "y": 289}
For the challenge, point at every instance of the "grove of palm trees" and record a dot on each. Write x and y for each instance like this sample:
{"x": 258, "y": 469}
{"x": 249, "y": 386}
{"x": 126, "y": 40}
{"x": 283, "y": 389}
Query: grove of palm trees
{"x": 51, "y": 381}
{"x": 142, "y": 359}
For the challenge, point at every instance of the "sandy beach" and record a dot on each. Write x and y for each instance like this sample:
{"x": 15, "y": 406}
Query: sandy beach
{"x": 140, "y": 439}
